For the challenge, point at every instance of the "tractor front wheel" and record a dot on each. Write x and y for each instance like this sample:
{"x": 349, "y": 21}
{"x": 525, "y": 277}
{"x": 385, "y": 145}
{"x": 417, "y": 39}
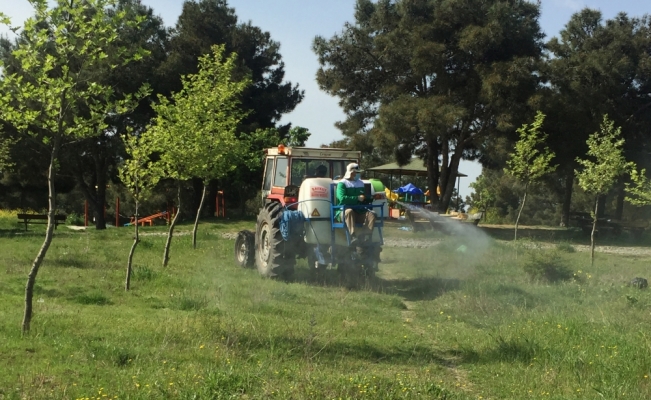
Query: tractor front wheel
{"x": 245, "y": 249}
{"x": 273, "y": 256}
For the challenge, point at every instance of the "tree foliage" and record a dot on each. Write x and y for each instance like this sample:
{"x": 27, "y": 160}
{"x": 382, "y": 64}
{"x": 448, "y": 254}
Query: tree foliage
{"x": 597, "y": 67}
{"x": 531, "y": 159}
{"x": 195, "y": 130}
{"x": 139, "y": 174}
{"x": 639, "y": 192}
{"x": 604, "y": 165}
{"x": 432, "y": 78}
{"x": 55, "y": 98}
{"x": 204, "y": 23}
{"x": 92, "y": 162}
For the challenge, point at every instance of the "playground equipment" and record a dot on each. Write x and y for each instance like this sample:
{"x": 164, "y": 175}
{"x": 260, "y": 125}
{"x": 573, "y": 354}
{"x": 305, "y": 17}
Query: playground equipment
{"x": 150, "y": 219}
{"x": 298, "y": 216}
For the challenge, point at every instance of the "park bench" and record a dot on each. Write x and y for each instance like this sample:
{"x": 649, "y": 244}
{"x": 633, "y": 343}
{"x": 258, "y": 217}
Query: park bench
{"x": 40, "y": 219}
{"x": 608, "y": 225}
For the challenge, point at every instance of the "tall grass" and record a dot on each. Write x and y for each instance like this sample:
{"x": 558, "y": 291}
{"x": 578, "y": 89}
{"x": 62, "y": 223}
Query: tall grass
{"x": 444, "y": 322}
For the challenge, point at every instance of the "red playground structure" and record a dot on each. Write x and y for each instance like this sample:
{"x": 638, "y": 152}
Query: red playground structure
{"x": 150, "y": 219}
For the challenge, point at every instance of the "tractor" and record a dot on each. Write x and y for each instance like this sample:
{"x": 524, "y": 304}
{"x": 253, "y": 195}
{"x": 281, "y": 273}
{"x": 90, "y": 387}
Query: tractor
{"x": 297, "y": 219}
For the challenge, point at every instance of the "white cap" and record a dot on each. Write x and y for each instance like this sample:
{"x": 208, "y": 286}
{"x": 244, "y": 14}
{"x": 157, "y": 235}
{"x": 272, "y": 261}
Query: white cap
{"x": 350, "y": 168}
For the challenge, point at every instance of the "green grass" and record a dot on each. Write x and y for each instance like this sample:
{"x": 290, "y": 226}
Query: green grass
{"x": 454, "y": 321}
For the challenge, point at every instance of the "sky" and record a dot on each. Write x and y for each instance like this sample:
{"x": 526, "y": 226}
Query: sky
{"x": 295, "y": 23}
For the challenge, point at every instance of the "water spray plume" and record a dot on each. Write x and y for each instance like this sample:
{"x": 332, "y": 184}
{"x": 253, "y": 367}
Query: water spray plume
{"x": 470, "y": 241}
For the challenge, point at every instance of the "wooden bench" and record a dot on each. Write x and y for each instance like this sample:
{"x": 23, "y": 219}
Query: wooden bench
{"x": 607, "y": 225}
{"x": 41, "y": 218}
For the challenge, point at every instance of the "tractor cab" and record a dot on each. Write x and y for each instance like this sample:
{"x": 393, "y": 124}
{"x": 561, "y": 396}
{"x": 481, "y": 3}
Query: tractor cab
{"x": 286, "y": 168}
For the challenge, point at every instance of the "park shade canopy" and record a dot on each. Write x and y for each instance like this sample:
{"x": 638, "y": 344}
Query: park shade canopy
{"x": 416, "y": 167}
{"x": 409, "y": 189}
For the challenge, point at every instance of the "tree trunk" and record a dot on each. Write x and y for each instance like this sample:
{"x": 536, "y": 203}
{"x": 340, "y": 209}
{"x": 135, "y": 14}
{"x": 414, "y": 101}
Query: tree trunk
{"x": 602, "y": 206}
{"x": 212, "y": 193}
{"x": 567, "y": 198}
{"x": 170, "y": 233}
{"x": 49, "y": 234}
{"x": 94, "y": 190}
{"x": 432, "y": 162}
{"x": 621, "y": 195}
{"x": 517, "y": 219}
{"x": 136, "y": 239}
{"x": 100, "y": 203}
{"x": 242, "y": 196}
{"x": 450, "y": 178}
{"x": 196, "y": 220}
{"x": 594, "y": 228}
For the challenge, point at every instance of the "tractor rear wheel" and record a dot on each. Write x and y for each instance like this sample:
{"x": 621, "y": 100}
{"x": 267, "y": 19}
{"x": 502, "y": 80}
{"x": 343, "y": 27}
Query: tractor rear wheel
{"x": 273, "y": 257}
{"x": 245, "y": 249}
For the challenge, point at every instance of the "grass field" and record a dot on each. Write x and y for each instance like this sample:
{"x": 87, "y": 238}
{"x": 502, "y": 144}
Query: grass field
{"x": 460, "y": 320}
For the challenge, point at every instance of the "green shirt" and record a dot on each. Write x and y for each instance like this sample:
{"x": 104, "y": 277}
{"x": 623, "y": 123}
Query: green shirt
{"x": 348, "y": 193}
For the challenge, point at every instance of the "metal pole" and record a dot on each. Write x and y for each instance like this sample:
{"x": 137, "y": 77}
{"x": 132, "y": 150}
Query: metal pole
{"x": 117, "y": 212}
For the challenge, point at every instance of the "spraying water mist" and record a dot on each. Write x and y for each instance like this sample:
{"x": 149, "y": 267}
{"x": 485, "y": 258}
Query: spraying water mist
{"x": 469, "y": 240}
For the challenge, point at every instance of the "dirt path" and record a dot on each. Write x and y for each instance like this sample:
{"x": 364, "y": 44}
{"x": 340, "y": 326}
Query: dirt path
{"x": 620, "y": 250}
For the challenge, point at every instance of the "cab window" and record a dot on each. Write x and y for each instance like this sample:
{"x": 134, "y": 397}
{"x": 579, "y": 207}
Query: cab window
{"x": 280, "y": 178}
{"x": 268, "y": 174}
{"x": 303, "y": 168}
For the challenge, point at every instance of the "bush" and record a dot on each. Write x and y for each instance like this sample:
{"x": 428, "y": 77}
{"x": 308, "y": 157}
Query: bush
{"x": 565, "y": 247}
{"x": 75, "y": 219}
{"x": 547, "y": 266}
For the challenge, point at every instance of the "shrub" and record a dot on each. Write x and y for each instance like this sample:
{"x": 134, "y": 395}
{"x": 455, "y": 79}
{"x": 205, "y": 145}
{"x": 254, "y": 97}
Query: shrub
{"x": 565, "y": 247}
{"x": 97, "y": 299}
{"x": 144, "y": 274}
{"x": 75, "y": 219}
{"x": 187, "y": 303}
{"x": 547, "y": 266}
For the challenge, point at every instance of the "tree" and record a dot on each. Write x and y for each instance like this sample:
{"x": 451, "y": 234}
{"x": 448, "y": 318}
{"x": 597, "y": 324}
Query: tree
{"x": 297, "y": 136}
{"x": 433, "y": 78}
{"x": 606, "y": 163}
{"x": 139, "y": 174}
{"x": 92, "y": 162}
{"x": 195, "y": 130}
{"x": 55, "y": 98}
{"x": 5, "y": 155}
{"x": 639, "y": 192}
{"x": 596, "y": 67}
{"x": 531, "y": 159}
{"x": 204, "y": 23}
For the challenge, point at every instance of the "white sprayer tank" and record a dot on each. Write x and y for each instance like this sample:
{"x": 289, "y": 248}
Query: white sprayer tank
{"x": 314, "y": 203}
{"x": 314, "y": 198}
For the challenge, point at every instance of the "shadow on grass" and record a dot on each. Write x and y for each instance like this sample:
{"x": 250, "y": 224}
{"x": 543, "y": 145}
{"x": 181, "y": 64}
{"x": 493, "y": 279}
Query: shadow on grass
{"x": 419, "y": 288}
{"x": 514, "y": 350}
{"x": 331, "y": 350}
{"x": 416, "y": 289}
{"x": 12, "y": 233}
{"x": 515, "y": 296}
{"x": 69, "y": 262}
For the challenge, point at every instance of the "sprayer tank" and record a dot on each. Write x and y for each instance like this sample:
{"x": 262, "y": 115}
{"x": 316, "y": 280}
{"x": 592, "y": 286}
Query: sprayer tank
{"x": 314, "y": 196}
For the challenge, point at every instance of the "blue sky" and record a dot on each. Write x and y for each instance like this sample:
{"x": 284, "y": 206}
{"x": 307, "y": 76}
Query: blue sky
{"x": 295, "y": 23}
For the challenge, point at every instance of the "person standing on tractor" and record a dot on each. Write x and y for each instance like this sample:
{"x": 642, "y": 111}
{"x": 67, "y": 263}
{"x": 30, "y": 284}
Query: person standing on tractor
{"x": 350, "y": 191}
